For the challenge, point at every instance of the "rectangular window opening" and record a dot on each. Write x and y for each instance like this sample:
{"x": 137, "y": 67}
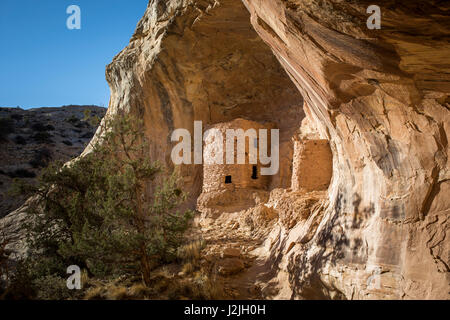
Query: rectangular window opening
{"x": 227, "y": 179}
{"x": 255, "y": 173}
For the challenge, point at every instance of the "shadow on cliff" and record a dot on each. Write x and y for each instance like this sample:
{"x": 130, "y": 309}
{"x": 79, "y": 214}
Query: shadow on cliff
{"x": 330, "y": 245}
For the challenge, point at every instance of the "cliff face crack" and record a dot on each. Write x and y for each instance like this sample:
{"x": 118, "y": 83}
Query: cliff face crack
{"x": 433, "y": 190}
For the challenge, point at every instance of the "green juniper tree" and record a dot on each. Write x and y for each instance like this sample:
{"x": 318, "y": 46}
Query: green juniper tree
{"x": 111, "y": 211}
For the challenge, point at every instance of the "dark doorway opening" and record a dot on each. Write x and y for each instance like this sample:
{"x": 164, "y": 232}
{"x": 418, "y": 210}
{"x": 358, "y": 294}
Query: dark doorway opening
{"x": 227, "y": 179}
{"x": 255, "y": 173}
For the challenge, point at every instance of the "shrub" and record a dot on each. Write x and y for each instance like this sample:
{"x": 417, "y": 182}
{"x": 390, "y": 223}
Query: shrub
{"x": 6, "y": 128}
{"x": 87, "y": 114}
{"x": 20, "y": 140}
{"x": 67, "y": 142}
{"x": 93, "y": 120}
{"x": 17, "y": 116}
{"x": 87, "y": 135}
{"x": 20, "y": 285}
{"x": 22, "y": 173}
{"x": 42, "y": 137}
{"x": 73, "y": 120}
{"x": 51, "y": 287}
{"x": 39, "y": 127}
{"x": 112, "y": 211}
{"x": 41, "y": 158}
{"x": 81, "y": 125}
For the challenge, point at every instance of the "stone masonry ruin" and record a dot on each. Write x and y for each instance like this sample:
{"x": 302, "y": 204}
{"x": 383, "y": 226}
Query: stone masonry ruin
{"x": 235, "y": 176}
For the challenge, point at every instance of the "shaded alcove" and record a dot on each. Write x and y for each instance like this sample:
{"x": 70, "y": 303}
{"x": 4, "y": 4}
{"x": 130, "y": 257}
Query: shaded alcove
{"x": 213, "y": 67}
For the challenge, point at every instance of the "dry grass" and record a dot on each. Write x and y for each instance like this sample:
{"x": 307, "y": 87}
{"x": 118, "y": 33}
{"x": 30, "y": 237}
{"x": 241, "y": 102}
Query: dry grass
{"x": 84, "y": 278}
{"x": 95, "y": 293}
{"x": 139, "y": 291}
{"x": 191, "y": 251}
{"x": 164, "y": 285}
{"x": 194, "y": 281}
{"x": 207, "y": 286}
{"x": 188, "y": 268}
{"x": 117, "y": 293}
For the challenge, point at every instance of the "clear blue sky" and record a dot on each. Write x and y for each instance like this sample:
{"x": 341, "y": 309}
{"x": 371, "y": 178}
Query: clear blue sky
{"x": 44, "y": 64}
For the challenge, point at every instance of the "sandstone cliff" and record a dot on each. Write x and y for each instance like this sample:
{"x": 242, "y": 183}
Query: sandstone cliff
{"x": 380, "y": 97}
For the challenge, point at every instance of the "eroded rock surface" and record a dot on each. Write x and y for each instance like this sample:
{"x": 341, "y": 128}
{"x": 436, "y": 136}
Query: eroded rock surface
{"x": 202, "y": 60}
{"x": 382, "y": 99}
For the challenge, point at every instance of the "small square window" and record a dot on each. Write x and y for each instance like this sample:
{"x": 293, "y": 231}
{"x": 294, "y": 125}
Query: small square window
{"x": 255, "y": 173}
{"x": 227, "y": 179}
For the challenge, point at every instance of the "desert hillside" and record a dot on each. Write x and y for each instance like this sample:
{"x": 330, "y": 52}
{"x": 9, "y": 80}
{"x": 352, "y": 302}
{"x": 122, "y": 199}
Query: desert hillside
{"x": 33, "y": 138}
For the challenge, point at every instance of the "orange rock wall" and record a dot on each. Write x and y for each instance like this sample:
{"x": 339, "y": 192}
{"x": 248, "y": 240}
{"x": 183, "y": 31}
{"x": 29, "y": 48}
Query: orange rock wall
{"x": 312, "y": 165}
